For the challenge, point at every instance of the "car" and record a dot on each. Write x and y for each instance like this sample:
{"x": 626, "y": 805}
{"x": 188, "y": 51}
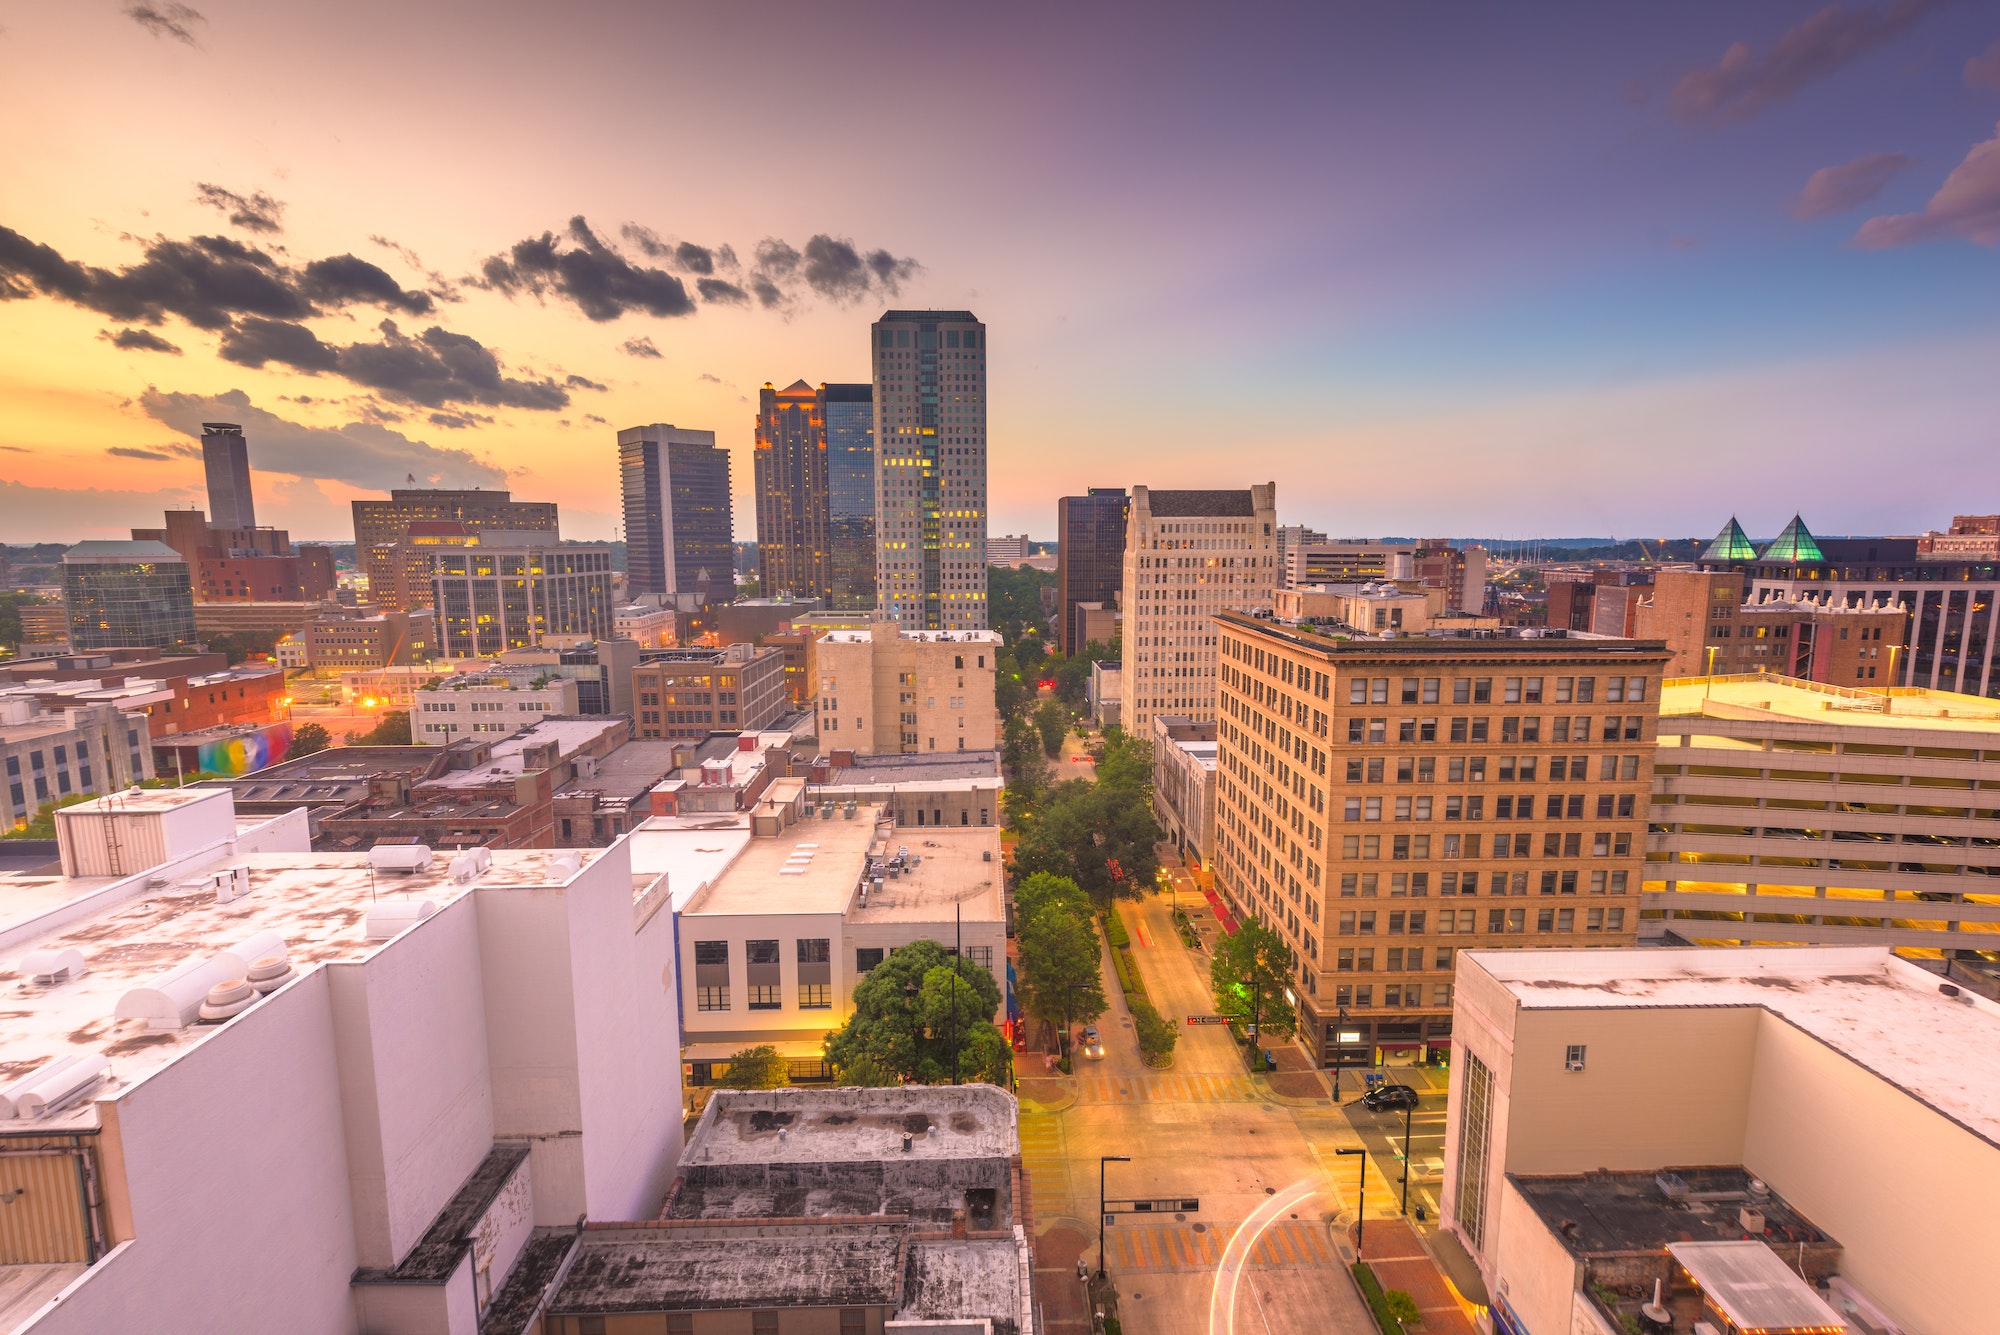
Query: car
{"x": 1390, "y": 1096}
{"x": 1093, "y": 1046}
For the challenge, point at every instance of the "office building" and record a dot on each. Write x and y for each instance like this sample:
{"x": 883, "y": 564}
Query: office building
{"x": 1710, "y": 629}
{"x": 1184, "y": 785}
{"x": 1719, "y": 1122}
{"x": 1008, "y": 549}
{"x": 1107, "y": 693}
{"x": 1383, "y": 803}
{"x": 1346, "y": 562}
{"x": 886, "y": 690}
{"x": 790, "y": 480}
{"x": 960, "y": 788}
{"x": 1949, "y": 598}
{"x": 1090, "y": 559}
{"x": 679, "y": 525}
{"x": 47, "y": 754}
{"x": 601, "y": 670}
{"x": 930, "y": 468}
{"x": 225, "y": 460}
{"x": 494, "y": 704}
{"x": 509, "y": 590}
{"x": 402, "y": 571}
{"x": 399, "y": 1080}
{"x": 382, "y": 640}
{"x": 44, "y": 627}
{"x": 693, "y": 692}
{"x": 849, "y": 414}
{"x": 1188, "y": 556}
{"x": 1603, "y": 601}
{"x": 1292, "y": 536}
{"x": 1970, "y": 536}
{"x": 380, "y": 525}
{"x": 1791, "y": 812}
{"x": 235, "y": 566}
{"x": 128, "y": 593}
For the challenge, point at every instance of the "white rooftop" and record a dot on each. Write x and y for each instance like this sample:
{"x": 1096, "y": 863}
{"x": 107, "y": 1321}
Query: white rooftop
{"x": 691, "y": 850}
{"x": 1884, "y": 1014}
{"x": 570, "y": 735}
{"x": 1754, "y": 1288}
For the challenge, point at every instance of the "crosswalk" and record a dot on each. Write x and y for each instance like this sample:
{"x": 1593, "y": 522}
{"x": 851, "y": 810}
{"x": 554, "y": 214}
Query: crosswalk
{"x": 1180, "y": 1247}
{"x": 1166, "y": 1089}
{"x": 1046, "y": 1164}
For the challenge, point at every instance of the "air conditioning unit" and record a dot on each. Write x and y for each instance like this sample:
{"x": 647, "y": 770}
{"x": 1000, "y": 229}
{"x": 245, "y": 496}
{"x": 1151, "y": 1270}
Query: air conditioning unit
{"x": 1573, "y": 1064}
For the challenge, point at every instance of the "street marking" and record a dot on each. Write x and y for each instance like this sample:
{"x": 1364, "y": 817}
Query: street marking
{"x": 1168, "y": 1089}
{"x": 1285, "y": 1245}
{"x": 1229, "y": 1271}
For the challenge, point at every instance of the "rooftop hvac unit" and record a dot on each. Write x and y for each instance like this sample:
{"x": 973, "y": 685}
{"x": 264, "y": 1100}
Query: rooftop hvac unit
{"x": 11, "y": 1092}
{"x": 389, "y": 917}
{"x": 848, "y": 811}
{"x": 400, "y": 857}
{"x": 242, "y": 956}
{"x": 52, "y": 966}
{"x": 172, "y": 1000}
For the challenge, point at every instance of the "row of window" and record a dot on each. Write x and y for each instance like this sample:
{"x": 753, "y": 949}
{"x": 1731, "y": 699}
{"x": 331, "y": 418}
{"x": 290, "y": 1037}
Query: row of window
{"x": 1498, "y": 921}
{"x": 1523, "y": 728}
{"x": 1417, "y": 884}
{"x": 1406, "y": 996}
{"x": 1555, "y": 806}
{"x": 1417, "y": 847}
{"x": 1507, "y": 769}
{"x": 1479, "y": 690}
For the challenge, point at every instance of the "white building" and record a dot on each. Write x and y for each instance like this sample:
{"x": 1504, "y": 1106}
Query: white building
{"x": 257, "y": 1087}
{"x": 652, "y": 625}
{"x": 1107, "y": 692}
{"x": 1189, "y": 555}
{"x": 49, "y": 754}
{"x": 886, "y": 690}
{"x": 1184, "y": 754}
{"x": 1839, "y": 1108}
{"x": 491, "y": 704}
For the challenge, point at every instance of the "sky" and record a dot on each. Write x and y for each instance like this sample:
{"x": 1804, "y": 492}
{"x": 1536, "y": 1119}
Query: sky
{"x": 1440, "y": 269}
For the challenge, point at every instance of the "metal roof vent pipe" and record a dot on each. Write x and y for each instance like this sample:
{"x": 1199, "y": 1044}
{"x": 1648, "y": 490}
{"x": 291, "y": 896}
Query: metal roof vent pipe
{"x": 908, "y": 1141}
{"x": 227, "y": 999}
{"x": 269, "y": 974}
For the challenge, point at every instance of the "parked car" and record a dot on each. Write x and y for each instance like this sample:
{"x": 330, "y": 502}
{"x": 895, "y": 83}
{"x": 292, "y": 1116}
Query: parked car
{"x": 1093, "y": 1046}
{"x": 1390, "y": 1096}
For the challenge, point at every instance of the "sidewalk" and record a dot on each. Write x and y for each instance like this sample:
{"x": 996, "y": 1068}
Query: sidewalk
{"x": 1399, "y": 1260}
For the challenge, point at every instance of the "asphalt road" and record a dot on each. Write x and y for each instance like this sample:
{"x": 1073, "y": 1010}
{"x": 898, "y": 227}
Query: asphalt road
{"x": 1382, "y": 1134}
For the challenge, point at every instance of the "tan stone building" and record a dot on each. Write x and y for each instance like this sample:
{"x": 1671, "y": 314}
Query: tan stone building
{"x": 1708, "y": 628}
{"x": 885, "y": 692}
{"x": 693, "y": 692}
{"x": 1790, "y": 812}
{"x": 1188, "y": 556}
{"x": 1386, "y": 803}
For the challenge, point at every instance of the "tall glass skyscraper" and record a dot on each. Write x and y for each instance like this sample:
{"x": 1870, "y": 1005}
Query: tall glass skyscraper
{"x": 679, "y": 525}
{"x": 790, "y": 486}
{"x": 128, "y": 593}
{"x": 849, "y": 414}
{"x": 930, "y": 468}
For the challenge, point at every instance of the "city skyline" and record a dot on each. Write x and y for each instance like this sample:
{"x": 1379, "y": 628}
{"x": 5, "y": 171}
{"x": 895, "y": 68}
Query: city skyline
{"x": 1577, "y": 245}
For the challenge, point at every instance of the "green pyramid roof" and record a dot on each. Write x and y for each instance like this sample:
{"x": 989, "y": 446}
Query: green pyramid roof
{"x": 1796, "y": 543}
{"x": 1732, "y": 544}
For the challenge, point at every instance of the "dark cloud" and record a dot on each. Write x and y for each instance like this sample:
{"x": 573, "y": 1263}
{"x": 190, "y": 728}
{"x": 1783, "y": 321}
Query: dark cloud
{"x": 834, "y": 269}
{"x": 1744, "y": 83}
{"x": 721, "y": 291}
{"x": 347, "y": 279}
{"x": 255, "y": 341}
{"x": 638, "y": 347}
{"x": 710, "y": 379}
{"x": 1966, "y": 205}
{"x": 440, "y": 287}
{"x": 769, "y": 294}
{"x": 580, "y": 382}
{"x": 890, "y": 271}
{"x": 1983, "y": 70}
{"x": 776, "y": 259}
{"x": 1833, "y": 190}
{"x": 459, "y": 421}
{"x": 256, "y": 212}
{"x": 16, "y": 449}
{"x": 593, "y": 417}
{"x": 166, "y": 20}
{"x": 138, "y": 340}
{"x": 361, "y": 454}
{"x": 435, "y": 369}
{"x": 647, "y": 240}
{"x": 693, "y": 258}
{"x": 128, "y": 452}
{"x": 595, "y": 278}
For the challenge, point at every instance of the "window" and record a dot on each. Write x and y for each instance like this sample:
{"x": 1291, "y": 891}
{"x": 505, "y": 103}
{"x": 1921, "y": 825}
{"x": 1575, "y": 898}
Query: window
{"x": 853, "y": 1321}
{"x": 763, "y": 1323}
{"x": 1573, "y": 1057}
{"x": 1475, "y": 1128}
{"x": 866, "y": 958}
{"x": 817, "y": 951}
{"x": 812, "y": 997}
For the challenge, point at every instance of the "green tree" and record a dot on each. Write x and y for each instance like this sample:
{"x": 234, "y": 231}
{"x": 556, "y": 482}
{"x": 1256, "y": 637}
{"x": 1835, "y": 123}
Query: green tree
{"x": 1249, "y": 972}
{"x": 1127, "y": 762}
{"x": 1157, "y": 1035}
{"x": 756, "y": 1068}
{"x": 1101, "y": 836}
{"x": 1028, "y": 771}
{"x": 309, "y": 739}
{"x": 391, "y": 729}
{"x": 1052, "y": 721}
{"x": 865, "y": 1072}
{"x": 1060, "y": 978}
{"x": 1040, "y": 890}
{"x": 1014, "y": 600}
{"x": 42, "y": 825}
{"x": 905, "y": 1024}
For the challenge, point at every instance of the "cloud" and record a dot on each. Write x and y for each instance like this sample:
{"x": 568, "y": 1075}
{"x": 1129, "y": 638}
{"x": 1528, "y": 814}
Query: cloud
{"x": 639, "y": 347}
{"x": 441, "y": 287}
{"x": 255, "y": 341}
{"x": 694, "y": 259}
{"x": 138, "y": 340}
{"x": 596, "y": 279}
{"x": 1833, "y": 190}
{"x": 344, "y": 280}
{"x": 769, "y": 294}
{"x": 1743, "y": 83}
{"x": 253, "y": 213}
{"x": 360, "y": 454}
{"x": 593, "y": 417}
{"x": 436, "y": 368}
{"x": 1983, "y": 70}
{"x": 720, "y": 291}
{"x": 127, "y": 452}
{"x": 709, "y": 379}
{"x": 580, "y": 382}
{"x": 456, "y": 421}
{"x": 63, "y": 514}
{"x": 1967, "y": 205}
{"x": 166, "y": 20}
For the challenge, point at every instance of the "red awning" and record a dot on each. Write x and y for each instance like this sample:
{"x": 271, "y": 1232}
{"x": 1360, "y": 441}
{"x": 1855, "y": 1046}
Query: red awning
{"x": 1222, "y": 914}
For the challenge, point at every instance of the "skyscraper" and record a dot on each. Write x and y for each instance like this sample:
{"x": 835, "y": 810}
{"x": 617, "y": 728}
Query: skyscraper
{"x": 1090, "y": 555}
{"x": 679, "y": 528}
{"x": 849, "y": 414}
{"x": 122, "y": 593}
{"x": 930, "y": 468}
{"x": 225, "y": 458}
{"x": 380, "y": 525}
{"x": 790, "y": 481}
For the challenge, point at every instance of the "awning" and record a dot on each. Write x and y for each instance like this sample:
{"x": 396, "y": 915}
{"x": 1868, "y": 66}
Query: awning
{"x": 1459, "y": 1267}
{"x": 1222, "y": 914}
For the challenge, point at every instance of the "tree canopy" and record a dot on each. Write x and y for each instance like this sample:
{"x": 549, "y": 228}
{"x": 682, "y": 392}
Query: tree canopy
{"x": 1249, "y": 972}
{"x": 1060, "y": 979}
{"x": 309, "y": 739}
{"x": 756, "y": 1068}
{"x": 905, "y": 1024}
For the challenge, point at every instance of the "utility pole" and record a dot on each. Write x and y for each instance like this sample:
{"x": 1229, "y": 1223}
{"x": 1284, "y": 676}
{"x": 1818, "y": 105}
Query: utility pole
{"x": 1339, "y": 1027}
{"x": 1408, "y": 1108}
{"x": 1360, "y": 1200}
{"x": 1103, "y": 1160}
{"x": 958, "y": 956}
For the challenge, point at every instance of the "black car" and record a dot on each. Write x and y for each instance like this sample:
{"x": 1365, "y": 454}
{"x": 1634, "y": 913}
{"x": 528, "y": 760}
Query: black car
{"x": 1390, "y": 1096}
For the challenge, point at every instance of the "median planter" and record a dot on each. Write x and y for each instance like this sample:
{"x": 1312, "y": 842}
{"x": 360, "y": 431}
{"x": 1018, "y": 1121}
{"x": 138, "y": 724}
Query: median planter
{"x": 1394, "y": 1310}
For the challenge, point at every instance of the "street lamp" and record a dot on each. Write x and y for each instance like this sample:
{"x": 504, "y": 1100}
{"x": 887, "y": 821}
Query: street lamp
{"x": 1339, "y": 1045}
{"x": 1360, "y": 1200}
{"x": 1408, "y": 1108}
{"x": 1103, "y": 1160}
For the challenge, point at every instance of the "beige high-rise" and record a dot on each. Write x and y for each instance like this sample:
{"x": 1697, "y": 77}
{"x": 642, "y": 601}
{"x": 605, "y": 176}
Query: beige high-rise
{"x": 887, "y": 692}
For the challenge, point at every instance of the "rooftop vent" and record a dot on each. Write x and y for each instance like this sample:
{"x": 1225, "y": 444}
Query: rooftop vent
{"x": 50, "y": 967}
{"x": 389, "y": 917}
{"x": 404, "y": 858}
{"x": 471, "y": 864}
{"x": 226, "y": 1000}
{"x": 53, "y": 1087}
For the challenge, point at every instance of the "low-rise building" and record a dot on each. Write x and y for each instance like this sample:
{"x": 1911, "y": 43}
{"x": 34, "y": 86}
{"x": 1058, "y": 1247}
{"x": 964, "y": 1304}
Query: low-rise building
{"x": 885, "y": 690}
{"x": 1098, "y": 623}
{"x": 511, "y": 589}
{"x": 491, "y": 703}
{"x": 959, "y": 789}
{"x": 1791, "y": 812}
{"x": 1107, "y": 692}
{"x": 229, "y": 748}
{"x": 650, "y": 625}
{"x": 400, "y": 1082}
{"x": 49, "y": 754}
{"x": 128, "y": 593}
{"x": 1707, "y": 1120}
{"x": 693, "y": 692}
{"x": 177, "y": 694}
{"x": 377, "y": 640}
{"x": 1184, "y": 784}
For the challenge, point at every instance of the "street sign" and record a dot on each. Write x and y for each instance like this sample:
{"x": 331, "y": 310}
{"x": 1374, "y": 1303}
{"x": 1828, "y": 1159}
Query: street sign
{"x": 1208, "y": 1019}
{"x": 1161, "y": 1205}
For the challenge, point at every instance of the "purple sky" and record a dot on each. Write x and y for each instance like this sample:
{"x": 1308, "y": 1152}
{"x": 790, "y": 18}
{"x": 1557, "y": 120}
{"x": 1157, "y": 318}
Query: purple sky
{"x": 1439, "y": 269}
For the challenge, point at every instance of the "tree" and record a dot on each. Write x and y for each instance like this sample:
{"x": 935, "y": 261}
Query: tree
{"x": 905, "y": 1022}
{"x": 1060, "y": 978}
{"x": 756, "y": 1068}
{"x": 1249, "y": 972}
{"x": 1101, "y": 836}
{"x": 1040, "y": 890}
{"x": 1052, "y": 721}
{"x": 309, "y": 739}
{"x": 865, "y": 1072}
{"x": 391, "y": 729}
{"x": 1027, "y": 771}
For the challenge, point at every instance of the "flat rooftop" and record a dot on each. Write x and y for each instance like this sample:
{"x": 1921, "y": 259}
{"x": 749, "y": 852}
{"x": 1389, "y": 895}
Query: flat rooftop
{"x": 1769, "y": 696}
{"x": 922, "y": 768}
{"x": 685, "y": 1267}
{"x": 949, "y": 867}
{"x": 814, "y": 866}
{"x": 569, "y": 734}
{"x": 628, "y": 772}
{"x": 1599, "y": 1214}
{"x": 692, "y": 851}
{"x": 1884, "y": 1014}
{"x": 317, "y": 902}
{"x": 849, "y": 1125}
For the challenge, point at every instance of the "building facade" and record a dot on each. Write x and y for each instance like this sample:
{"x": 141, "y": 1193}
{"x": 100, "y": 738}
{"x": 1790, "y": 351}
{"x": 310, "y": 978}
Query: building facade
{"x": 693, "y": 692}
{"x": 887, "y": 691}
{"x": 1385, "y": 803}
{"x": 1090, "y": 558}
{"x": 386, "y": 639}
{"x": 1710, "y": 630}
{"x": 790, "y": 481}
{"x": 849, "y": 413}
{"x": 380, "y": 525}
{"x": 244, "y": 565}
{"x": 487, "y": 705}
{"x": 1188, "y": 556}
{"x": 47, "y": 754}
{"x": 1184, "y": 784}
{"x": 510, "y": 590}
{"x": 225, "y": 463}
{"x": 128, "y": 593}
{"x": 930, "y": 468}
{"x": 679, "y": 521}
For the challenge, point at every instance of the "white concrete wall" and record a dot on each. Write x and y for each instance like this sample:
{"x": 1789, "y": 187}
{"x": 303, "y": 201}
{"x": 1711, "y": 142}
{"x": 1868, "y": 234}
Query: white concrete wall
{"x": 411, "y": 1033}
{"x": 1540, "y": 1275}
{"x": 227, "y": 1172}
{"x": 787, "y": 1022}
